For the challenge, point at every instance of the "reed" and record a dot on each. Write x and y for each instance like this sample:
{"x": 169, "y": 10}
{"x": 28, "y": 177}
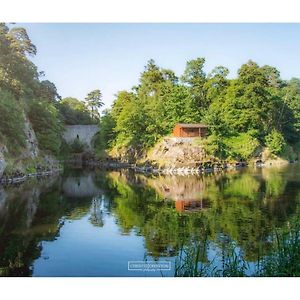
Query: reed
{"x": 283, "y": 259}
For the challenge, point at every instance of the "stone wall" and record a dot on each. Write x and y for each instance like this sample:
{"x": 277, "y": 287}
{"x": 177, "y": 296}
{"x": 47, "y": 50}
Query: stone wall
{"x": 84, "y": 133}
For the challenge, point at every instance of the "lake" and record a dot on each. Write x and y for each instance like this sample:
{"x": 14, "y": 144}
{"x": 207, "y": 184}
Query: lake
{"x": 98, "y": 223}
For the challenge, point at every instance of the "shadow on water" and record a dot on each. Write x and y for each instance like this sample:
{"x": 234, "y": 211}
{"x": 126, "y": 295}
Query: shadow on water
{"x": 90, "y": 222}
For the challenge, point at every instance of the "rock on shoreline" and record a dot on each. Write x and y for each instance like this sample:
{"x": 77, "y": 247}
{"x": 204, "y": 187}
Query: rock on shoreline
{"x": 4, "y": 180}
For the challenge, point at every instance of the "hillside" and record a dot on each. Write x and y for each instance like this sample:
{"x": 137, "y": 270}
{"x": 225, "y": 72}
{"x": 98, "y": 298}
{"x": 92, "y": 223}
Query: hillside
{"x": 32, "y": 114}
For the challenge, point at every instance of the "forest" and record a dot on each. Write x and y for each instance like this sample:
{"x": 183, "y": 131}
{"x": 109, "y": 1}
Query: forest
{"x": 256, "y": 109}
{"x": 24, "y": 95}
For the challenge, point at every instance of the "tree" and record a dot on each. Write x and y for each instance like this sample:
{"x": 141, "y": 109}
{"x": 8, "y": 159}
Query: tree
{"x": 19, "y": 82}
{"x": 45, "y": 121}
{"x": 106, "y": 136}
{"x": 275, "y": 142}
{"x": 291, "y": 97}
{"x": 21, "y": 41}
{"x": 75, "y": 112}
{"x": 195, "y": 78}
{"x": 11, "y": 123}
{"x": 216, "y": 83}
{"x": 48, "y": 91}
{"x": 151, "y": 80}
{"x": 94, "y": 102}
{"x": 17, "y": 73}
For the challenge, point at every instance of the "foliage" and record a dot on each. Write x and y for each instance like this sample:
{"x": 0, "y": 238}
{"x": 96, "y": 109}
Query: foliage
{"x": 94, "y": 102}
{"x": 17, "y": 73}
{"x": 74, "y": 112}
{"x": 284, "y": 260}
{"x": 242, "y": 146}
{"x": 23, "y": 95}
{"x": 257, "y": 108}
{"x": 44, "y": 118}
{"x": 275, "y": 142}
{"x": 11, "y": 122}
{"x": 106, "y": 136}
{"x": 242, "y": 114}
{"x": 215, "y": 146}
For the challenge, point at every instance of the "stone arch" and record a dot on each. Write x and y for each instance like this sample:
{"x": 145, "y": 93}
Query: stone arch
{"x": 84, "y": 133}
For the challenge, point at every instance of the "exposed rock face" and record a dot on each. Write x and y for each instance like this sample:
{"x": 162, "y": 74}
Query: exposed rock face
{"x": 177, "y": 152}
{"x": 28, "y": 153}
{"x": 31, "y": 141}
{"x": 2, "y": 163}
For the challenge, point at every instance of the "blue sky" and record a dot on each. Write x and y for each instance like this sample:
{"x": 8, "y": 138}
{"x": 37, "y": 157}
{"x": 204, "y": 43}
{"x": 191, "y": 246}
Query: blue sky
{"x": 81, "y": 57}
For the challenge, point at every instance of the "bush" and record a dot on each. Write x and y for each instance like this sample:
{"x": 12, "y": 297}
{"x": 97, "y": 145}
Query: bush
{"x": 275, "y": 142}
{"x": 214, "y": 145}
{"x": 241, "y": 146}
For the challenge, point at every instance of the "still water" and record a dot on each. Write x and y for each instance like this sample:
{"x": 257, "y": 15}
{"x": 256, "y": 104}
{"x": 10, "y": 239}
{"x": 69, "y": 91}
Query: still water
{"x": 93, "y": 223}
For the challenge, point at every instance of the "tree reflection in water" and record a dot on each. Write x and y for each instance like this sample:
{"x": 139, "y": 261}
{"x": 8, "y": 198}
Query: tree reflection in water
{"x": 169, "y": 212}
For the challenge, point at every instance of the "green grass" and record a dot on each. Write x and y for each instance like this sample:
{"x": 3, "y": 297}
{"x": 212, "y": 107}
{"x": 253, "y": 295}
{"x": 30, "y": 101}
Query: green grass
{"x": 283, "y": 259}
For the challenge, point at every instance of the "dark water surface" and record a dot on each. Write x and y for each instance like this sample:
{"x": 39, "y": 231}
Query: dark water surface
{"x": 92, "y": 223}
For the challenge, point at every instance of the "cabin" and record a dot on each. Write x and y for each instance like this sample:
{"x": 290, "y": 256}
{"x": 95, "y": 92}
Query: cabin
{"x": 190, "y": 130}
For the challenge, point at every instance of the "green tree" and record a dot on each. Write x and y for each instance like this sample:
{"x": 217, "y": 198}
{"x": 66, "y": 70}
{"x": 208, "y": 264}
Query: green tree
{"x": 291, "y": 97}
{"x": 11, "y": 123}
{"x": 195, "y": 78}
{"x": 75, "y": 112}
{"x": 94, "y": 102}
{"x": 17, "y": 73}
{"x": 105, "y": 138}
{"x": 44, "y": 117}
{"x": 275, "y": 142}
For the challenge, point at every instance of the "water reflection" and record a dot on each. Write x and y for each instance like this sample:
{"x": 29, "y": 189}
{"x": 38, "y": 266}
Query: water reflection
{"x": 63, "y": 225}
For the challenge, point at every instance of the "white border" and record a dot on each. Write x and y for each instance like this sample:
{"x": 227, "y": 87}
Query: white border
{"x": 150, "y": 11}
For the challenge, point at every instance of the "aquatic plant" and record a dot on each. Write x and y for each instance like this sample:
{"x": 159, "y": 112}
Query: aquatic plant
{"x": 283, "y": 259}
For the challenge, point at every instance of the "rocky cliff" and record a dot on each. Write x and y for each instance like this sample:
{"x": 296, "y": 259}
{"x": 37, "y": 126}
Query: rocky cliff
{"x": 177, "y": 152}
{"x": 28, "y": 159}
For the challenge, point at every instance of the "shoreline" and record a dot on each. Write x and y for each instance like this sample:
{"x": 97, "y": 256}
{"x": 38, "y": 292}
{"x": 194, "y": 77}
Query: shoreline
{"x": 184, "y": 170}
{"x": 24, "y": 177}
{"x": 205, "y": 168}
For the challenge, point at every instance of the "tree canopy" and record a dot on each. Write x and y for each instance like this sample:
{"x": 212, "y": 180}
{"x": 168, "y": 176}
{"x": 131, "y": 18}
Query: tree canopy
{"x": 25, "y": 95}
{"x": 94, "y": 102}
{"x": 75, "y": 112}
{"x": 254, "y": 108}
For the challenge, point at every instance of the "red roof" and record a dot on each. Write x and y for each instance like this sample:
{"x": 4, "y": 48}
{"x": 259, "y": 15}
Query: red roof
{"x": 199, "y": 125}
